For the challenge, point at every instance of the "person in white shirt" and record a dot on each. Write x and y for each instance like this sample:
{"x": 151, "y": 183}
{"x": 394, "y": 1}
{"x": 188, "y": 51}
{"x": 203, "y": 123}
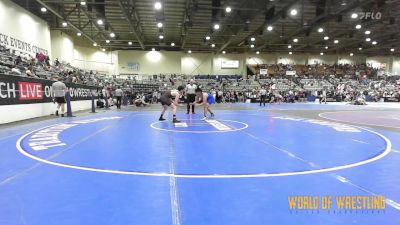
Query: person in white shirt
{"x": 322, "y": 97}
{"x": 59, "y": 89}
{"x": 263, "y": 95}
{"x": 220, "y": 96}
{"x": 190, "y": 95}
{"x": 118, "y": 95}
{"x": 273, "y": 88}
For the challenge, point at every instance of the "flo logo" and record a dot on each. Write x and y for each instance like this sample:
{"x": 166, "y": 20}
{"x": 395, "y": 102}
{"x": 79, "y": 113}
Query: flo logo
{"x": 370, "y": 15}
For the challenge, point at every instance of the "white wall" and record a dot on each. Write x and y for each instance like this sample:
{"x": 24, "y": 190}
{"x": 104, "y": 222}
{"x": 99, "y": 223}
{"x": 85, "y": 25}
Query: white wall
{"x": 254, "y": 59}
{"x": 374, "y": 61}
{"x": 355, "y": 59}
{"x": 298, "y": 59}
{"x": 327, "y": 59}
{"x": 217, "y": 61}
{"x": 151, "y": 62}
{"x": 62, "y": 46}
{"x": 94, "y": 59}
{"x": 29, "y": 111}
{"x": 396, "y": 66}
{"x": 25, "y": 32}
{"x": 197, "y": 63}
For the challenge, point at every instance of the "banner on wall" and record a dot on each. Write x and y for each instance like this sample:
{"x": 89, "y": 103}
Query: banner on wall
{"x": 16, "y": 90}
{"x": 15, "y": 44}
{"x": 290, "y": 73}
{"x": 263, "y": 71}
{"x": 229, "y": 64}
{"x": 134, "y": 66}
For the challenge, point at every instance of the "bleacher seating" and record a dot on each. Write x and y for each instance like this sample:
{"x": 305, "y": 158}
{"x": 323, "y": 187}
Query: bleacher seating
{"x": 347, "y": 80}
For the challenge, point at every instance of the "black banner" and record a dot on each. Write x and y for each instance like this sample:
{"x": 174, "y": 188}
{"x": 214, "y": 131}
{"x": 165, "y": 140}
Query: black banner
{"x": 331, "y": 99}
{"x": 391, "y": 99}
{"x": 16, "y": 90}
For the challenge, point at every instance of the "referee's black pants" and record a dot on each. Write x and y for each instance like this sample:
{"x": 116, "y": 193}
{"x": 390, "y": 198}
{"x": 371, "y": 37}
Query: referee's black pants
{"x": 190, "y": 98}
{"x": 119, "y": 102}
{"x": 262, "y": 99}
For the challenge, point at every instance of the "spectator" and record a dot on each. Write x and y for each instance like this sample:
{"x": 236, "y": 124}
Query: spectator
{"x": 59, "y": 90}
{"x": 30, "y": 72}
{"x": 118, "y": 95}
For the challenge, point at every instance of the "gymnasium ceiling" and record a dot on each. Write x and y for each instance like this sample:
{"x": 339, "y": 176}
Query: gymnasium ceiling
{"x": 186, "y": 23}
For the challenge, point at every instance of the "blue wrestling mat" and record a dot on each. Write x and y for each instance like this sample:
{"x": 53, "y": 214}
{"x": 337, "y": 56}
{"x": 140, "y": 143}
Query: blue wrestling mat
{"x": 241, "y": 167}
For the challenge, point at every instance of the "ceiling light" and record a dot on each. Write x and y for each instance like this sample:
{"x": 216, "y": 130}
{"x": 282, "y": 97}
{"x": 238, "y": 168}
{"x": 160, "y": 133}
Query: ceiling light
{"x": 251, "y": 46}
{"x": 112, "y": 35}
{"x": 368, "y": 39}
{"x": 290, "y": 53}
{"x": 320, "y": 30}
{"x": 295, "y": 40}
{"x": 213, "y": 45}
{"x": 94, "y": 44}
{"x": 172, "y": 44}
{"x": 208, "y": 38}
{"x": 392, "y": 49}
{"x": 336, "y": 41}
{"x": 293, "y": 12}
{"x": 64, "y": 24}
{"x": 367, "y": 32}
{"x": 223, "y": 52}
{"x": 100, "y": 22}
{"x": 83, "y": 2}
{"x": 43, "y": 9}
{"x": 321, "y": 53}
{"x": 326, "y": 38}
{"x": 289, "y": 46}
{"x": 257, "y": 52}
{"x": 359, "y": 49}
{"x": 130, "y": 43}
{"x": 358, "y": 26}
{"x": 351, "y": 54}
{"x": 103, "y": 49}
{"x": 354, "y": 15}
{"x": 374, "y": 42}
{"x": 216, "y": 26}
{"x": 107, "y": 41}
{"x": 228, "y": 9}
{"x": 153, "y": 49}
{"x": 161, "y": 36}
{"x": 79, "y": 34}
{"x": 270, "y": 28}
{"x": 159, "y": 24}
{"x": 190, "y": 51}
{"x": 326, "y": 47}
{"x": 252, "y": 39}
{"x": 158, "y": 5}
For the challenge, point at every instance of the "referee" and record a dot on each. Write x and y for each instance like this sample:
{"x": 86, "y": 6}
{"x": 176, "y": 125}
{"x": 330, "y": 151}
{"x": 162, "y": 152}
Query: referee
{"x": 263, "y": 95}
{"x": 59, "y": 90}
{"x": 190, "y": 95}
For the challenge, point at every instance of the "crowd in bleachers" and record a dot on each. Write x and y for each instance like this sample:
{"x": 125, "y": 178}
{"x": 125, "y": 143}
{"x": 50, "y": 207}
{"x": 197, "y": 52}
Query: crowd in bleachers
{"x": 319, "y": 70}
{"x": 21, "y": 64}
{"x": 340, "y": 82}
